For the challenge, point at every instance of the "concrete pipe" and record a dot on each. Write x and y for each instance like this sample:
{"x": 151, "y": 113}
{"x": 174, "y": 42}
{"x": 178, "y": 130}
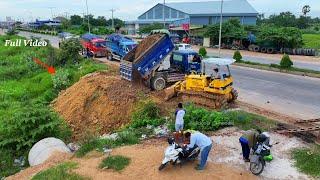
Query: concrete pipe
{"x": 43, "y": 149}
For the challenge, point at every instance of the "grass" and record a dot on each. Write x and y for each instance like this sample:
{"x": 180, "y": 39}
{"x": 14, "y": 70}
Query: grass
{"x": 117, "y": 162}
{"x": 26, "y": 91}
{"x": 277, "y": 66}
{"x": 246, "y": 121}
{"x": 125, "y": 137}
{"x": 307, "y": 160}
{"x": 311, "y": 41}
{"x": 60, "y": 172}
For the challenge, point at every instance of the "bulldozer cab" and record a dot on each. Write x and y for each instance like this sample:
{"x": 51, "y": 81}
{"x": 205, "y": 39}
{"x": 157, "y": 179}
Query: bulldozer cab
{"x": 216, "y": 68}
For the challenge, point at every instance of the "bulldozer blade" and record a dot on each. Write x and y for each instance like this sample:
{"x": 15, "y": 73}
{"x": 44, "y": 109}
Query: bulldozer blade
{"x": 172, "y": 91}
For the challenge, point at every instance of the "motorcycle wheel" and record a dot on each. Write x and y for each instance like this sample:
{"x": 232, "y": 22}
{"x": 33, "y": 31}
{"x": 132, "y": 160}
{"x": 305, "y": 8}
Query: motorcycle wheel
{"x": 256, "y": 167}
{"x": 162, "y": 166}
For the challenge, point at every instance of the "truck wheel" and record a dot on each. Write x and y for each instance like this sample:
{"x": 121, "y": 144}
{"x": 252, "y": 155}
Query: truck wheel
{"x": 158, "y": 83}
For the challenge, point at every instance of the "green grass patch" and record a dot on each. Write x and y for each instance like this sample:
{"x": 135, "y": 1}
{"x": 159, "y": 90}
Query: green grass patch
{"x": 307, "y": 160}
{"x": 246, "y": 121}
{"x": 125, "y": 137}
{"x": 26, "y": 90}
{"x": 60, "y": 172}
{"x": 117, "y": 162}
{"x": 311, "y": 41}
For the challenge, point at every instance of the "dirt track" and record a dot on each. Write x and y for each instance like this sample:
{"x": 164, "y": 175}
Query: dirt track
{"x": 145, "y": 160}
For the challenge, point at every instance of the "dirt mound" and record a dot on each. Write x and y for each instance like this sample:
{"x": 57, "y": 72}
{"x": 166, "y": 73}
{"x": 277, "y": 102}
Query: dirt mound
{"x": 97, "y": 102}
{"x": 142, "y": 47}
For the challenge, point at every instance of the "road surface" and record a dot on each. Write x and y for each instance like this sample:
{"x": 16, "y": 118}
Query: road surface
{"x": 304, "y": 62}
{"x": 292, "y": 95}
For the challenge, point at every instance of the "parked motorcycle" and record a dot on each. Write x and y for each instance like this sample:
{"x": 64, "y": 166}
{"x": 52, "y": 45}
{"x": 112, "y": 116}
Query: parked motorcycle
{"x": 261, "y": 155}
{"x": 175, "y": 154}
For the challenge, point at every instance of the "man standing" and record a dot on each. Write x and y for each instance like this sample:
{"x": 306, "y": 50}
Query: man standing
{"x": 180, "y": 112}
{"x": 203, "y": 142}
{"x": 247, "y": 141}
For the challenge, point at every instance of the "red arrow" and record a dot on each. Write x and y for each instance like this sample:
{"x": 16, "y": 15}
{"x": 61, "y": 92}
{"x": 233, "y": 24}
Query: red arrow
{"x": 50, "y": 69}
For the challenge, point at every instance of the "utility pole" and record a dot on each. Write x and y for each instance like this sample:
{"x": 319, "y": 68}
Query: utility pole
{"x": 83, "y": 17}
{"x": 164, "y": 17}
{"x": 112, "y": 11}
{"x": 220, "y": 27}
{"x": 88, "y": 16}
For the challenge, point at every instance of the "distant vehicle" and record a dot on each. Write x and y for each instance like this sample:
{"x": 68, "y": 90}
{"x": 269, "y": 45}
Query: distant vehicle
{"x": 94, "y": 45}
{"x": 118, "y": 46}
{"x": 183, "y": 46}
{"x": 65, "y": 36}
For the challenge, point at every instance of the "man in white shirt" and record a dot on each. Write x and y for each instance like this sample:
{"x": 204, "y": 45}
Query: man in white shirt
{"x": 203, "y": 142}
{"x": 180, "y": 112}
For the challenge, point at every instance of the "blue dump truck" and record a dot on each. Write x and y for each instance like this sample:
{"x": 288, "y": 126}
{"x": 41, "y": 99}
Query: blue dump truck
{"x": 155, "y": 62}
{"x": 118, "y": 46}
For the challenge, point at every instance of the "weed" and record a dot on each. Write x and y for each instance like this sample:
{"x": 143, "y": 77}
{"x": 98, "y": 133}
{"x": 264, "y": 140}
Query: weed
{"x": 307, "y": 160}
{"x": 59, "y": 172}
{"x": 117, "y": 162}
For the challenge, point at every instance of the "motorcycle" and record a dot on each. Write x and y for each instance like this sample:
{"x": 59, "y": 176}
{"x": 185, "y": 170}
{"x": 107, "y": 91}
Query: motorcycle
{"x": 175, "y": 154}
{"x": 261, "y": 155}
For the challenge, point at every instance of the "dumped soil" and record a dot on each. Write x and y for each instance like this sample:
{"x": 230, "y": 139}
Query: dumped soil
{"x": 97, "y": 102}
{"x": 145, "y": 44}
{"x": 55, "y": 158}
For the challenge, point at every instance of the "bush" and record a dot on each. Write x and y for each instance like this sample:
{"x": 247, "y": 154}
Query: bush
{"x": 286, "y": 62}
{"x": 29, "y": 125}
{"x": 69, "y": 51}
{"x": 146, "y": 113}
{"x": 203, "y": 51}
{"x": 237, "y": 56}
{"x": 117, "y": 162}
{"x": 61, "y": 80}
{"x": 204, "y": 120}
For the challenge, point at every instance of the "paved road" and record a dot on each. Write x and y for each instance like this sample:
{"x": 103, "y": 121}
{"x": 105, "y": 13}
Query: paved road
{"x": 291, "y": 95}
{"x": 296, "y": 96}
{"x": 304, "y": 62}
{"x": 54, "y": 40}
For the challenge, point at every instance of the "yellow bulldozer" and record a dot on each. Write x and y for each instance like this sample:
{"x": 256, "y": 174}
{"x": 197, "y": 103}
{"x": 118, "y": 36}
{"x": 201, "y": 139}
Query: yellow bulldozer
{"x": 212, "y": 87}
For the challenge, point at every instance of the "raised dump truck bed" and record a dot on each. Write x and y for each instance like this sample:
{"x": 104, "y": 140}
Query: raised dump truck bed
{"x": 146, "y": 56}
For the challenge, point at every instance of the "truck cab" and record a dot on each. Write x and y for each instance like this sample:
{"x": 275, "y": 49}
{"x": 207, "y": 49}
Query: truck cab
{"x": 94, "y": 44}
{"x": 118, "y": 46}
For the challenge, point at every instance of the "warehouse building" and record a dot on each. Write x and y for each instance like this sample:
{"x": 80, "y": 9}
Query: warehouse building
{"x": 194, "y": 14}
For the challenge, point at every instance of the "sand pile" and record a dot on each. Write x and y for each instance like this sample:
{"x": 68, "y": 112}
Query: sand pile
{"x": 142, "y": 47}
{"x": 97, "y": 102}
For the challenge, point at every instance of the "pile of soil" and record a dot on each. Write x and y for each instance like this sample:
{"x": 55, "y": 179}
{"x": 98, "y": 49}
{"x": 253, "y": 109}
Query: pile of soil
{"x": 97, "y": 102}
{"x": 142, "y": 47}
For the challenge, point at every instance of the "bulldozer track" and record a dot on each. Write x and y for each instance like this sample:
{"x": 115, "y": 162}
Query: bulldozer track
{"x": 307, "y": 129}
{"x": 215, "y": 101}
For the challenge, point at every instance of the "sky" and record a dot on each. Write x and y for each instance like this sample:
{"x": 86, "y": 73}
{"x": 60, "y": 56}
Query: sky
{"x": 27, "y": 10}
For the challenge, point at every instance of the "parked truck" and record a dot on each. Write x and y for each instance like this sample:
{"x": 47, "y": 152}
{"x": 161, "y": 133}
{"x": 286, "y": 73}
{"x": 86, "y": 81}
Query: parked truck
{"x": 156, "y": 63}
{"x": 94, "y": 45}
{"x": 118, "y": 46}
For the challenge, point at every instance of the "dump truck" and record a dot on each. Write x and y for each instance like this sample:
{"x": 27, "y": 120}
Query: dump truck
{"x": 195, "y": 80}
{"x": 118, "y": 46}
{"x": 94, "y": 44}
{"x": 156, "y": 62}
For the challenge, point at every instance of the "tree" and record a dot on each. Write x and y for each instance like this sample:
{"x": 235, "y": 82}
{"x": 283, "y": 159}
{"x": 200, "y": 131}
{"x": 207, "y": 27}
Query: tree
{"x": 148, "y": 28}
{"x": 76, "y": 20}
{"x": 305, "y": 10}
{"x": 284, "y": 19}
{"x": 231, "y": 30}
{"x": 101, "y": 21}
{"x": 237, "y": 56}
{"x": 65, "y": 24}
{"x": 69, "y": 51}
{"x": 117, "y": 22}
{"x": 286, "y": 62}
{"x": 203, "y": 51}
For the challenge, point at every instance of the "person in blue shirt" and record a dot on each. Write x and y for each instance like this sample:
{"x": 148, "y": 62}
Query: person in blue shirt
{"x": 203, "y": 142}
